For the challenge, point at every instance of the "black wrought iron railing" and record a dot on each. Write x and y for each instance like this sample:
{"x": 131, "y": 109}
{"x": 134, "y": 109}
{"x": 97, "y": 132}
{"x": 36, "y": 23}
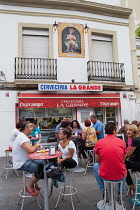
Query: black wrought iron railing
{"x": 35, "y": 68}
{"x": 105, "y": 71}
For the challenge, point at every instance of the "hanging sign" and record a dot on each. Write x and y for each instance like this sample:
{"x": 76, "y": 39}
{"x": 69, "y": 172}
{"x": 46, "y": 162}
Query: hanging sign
{"x": 71, "y": 87}
{"x": 32, "y": 100}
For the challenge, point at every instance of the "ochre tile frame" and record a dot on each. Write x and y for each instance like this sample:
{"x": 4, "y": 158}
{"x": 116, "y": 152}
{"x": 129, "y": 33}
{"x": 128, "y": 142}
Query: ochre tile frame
{"x": 80, "y": 28}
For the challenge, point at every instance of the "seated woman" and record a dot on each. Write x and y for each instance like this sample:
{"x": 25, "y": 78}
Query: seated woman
{"x": 21, "y": 147}
{"x": 133, "y": 164}
{"x": 67, "y": 147}
{"x": 90, "y": 138}
{"x": 132, "y": 132}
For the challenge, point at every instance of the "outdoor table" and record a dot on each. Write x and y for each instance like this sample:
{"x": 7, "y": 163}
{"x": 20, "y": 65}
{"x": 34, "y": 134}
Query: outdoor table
{"x": 44, "y": 156}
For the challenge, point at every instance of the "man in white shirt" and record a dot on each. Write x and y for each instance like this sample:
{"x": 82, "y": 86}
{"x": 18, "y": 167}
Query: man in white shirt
{"x": 20, "y": 149}
{"x": 14, "y": 134}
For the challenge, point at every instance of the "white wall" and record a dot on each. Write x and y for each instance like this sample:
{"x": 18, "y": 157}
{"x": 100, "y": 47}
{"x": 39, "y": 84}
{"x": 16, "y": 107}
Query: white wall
{"x": 68, "y": 68}
{"x": 128, "y": 107}
{"x": 7, "y": 116}
{"x": 109, "y": 2}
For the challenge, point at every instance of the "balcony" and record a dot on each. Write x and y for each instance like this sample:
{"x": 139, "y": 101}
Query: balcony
{"x": 106, "y": 71}
{"x": 35, "y": 69}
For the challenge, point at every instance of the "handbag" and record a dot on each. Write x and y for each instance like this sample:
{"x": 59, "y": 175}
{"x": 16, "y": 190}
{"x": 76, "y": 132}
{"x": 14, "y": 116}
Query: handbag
{"x": 53, "y": 171}
{"x": 131, "y": 159}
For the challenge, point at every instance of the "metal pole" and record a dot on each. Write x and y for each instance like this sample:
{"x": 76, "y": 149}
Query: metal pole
{"x": 45, "y": 189}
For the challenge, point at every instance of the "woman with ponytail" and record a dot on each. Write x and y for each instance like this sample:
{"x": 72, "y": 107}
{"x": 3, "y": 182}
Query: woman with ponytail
{"x": 67, "y": 147}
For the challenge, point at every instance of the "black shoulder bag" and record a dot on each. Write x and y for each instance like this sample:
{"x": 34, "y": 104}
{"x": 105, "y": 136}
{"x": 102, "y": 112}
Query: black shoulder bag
{"x": 131, "y": 159}
{"x": 54, "y": 171}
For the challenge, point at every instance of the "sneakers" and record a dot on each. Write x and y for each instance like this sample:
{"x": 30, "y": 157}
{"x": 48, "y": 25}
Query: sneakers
{"x": 28, "y": 175}
{"x": 32, "y": 192}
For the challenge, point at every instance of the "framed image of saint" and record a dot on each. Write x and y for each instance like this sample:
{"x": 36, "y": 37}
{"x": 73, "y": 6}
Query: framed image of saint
{"x": 71, "y": 40}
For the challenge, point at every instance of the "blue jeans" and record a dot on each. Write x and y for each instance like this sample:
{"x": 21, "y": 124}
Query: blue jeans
{"x": 100, "y": 180}
{"x": 30, "y": 165}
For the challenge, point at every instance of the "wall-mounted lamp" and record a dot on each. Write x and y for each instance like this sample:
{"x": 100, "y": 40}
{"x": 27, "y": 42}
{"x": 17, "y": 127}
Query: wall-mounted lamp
{"x": 86, "y": 28}
{"x": 73, "y": 80}
{"x": 55, "y": 26}
{"x": 2, "y": 76}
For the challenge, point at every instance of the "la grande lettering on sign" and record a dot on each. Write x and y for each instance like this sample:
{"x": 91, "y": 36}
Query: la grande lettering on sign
{"x": 63, "y": 87}
{"x": 86, "y": 87}
{"x": 71, "y": 103}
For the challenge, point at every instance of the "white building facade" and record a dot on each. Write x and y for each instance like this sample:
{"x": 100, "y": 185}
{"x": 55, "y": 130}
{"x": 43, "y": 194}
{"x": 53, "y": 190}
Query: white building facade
{"x": 136, "y": 8}
{"x": 81, "y": 52}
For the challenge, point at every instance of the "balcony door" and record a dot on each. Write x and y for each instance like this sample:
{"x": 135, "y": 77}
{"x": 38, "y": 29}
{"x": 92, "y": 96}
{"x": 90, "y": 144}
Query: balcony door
{"x": 35, "y": 51}
{"x": 35, "y": 43}
{"x": 103, "y": 56}
{"x": 102, "y": 48}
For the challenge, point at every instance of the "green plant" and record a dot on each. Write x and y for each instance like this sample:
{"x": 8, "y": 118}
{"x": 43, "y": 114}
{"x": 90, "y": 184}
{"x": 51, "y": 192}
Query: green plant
{"x": 138, "y": 31}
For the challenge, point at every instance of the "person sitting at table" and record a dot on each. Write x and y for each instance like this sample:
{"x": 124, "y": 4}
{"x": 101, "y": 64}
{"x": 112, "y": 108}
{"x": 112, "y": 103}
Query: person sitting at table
{"x": 21, "y": 147}
{"x": 110, "y": 155}
{"x": 132, "y": 132}
{"x": 14, "y": 134}
{"x": 133, "y": 162}
{"x": 89, "y": 137}
{"x": 36, "y": 132}
{"x": 67, "y": 147}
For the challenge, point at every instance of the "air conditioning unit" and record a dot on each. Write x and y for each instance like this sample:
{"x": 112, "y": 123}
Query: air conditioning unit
{"x": 132, "y": 96}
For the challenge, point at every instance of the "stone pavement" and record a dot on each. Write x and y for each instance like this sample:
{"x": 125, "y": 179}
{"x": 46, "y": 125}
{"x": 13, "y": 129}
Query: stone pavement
{"x": 88, "y": 193}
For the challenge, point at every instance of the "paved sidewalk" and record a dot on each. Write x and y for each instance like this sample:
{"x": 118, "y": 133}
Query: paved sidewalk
{"x": 88, "y": 193}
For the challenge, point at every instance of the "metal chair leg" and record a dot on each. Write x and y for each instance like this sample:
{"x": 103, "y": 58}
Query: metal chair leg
{"x": 70, "y": 187}
{"x": 23, "y": 195}
{"x": 136, "y": 200}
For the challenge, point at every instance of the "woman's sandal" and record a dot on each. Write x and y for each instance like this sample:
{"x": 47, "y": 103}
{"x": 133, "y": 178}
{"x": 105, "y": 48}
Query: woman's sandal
{"x": 131, "y": 191}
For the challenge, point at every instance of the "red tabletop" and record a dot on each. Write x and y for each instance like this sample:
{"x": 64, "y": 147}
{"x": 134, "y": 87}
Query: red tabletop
{"x": 43, "y": 156}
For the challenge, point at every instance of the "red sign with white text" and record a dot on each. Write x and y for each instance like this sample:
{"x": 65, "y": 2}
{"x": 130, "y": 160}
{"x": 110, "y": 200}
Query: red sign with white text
{"x": 68, "y": 101}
